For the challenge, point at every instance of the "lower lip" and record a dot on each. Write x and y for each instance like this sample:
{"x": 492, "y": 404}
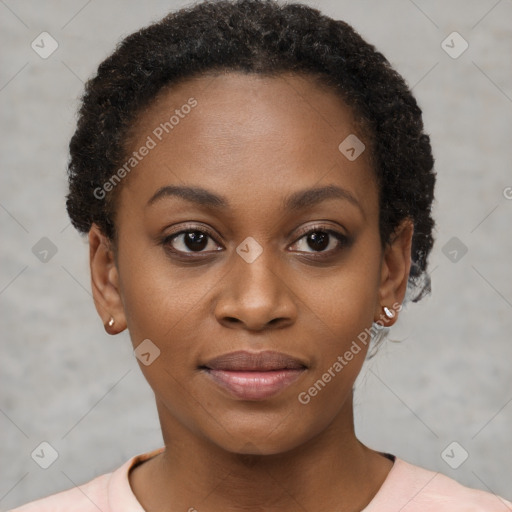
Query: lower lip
{"x": 254, "y": 385}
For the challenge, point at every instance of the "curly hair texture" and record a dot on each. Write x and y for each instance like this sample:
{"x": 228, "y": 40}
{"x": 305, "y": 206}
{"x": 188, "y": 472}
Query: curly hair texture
{"x": 266, "y": 38}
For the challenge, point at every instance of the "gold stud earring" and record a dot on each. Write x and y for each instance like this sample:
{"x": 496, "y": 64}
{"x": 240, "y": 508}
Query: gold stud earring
{"x": 111, "y": 322}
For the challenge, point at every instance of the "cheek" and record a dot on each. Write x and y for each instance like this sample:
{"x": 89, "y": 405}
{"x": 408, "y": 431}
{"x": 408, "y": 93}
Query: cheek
{"x": 339, "y": 317}
{"x": 340, "y": 324}
{"x": 156, "y": 303}
{"x": 168, "y": 305}
{"x": 156, "y": 294}
{"x": 162, "y": 307}
{"x": 342, "y": 305}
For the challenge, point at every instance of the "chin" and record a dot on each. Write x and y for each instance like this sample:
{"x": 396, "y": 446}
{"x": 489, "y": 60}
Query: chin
{"x": 266, "y": 441}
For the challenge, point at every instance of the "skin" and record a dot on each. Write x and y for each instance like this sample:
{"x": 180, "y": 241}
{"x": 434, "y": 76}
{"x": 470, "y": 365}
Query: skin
{"x": 254, "y": 140}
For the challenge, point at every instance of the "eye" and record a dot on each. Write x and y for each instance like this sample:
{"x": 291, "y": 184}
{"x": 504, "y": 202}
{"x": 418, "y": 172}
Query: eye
{"x": 198, "y": 240}
{"x": 191, "y": 240}
{"x": 321, "y": 240}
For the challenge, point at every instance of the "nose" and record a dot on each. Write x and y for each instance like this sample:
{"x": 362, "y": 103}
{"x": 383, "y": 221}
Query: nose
{"x": 255, "y": 296}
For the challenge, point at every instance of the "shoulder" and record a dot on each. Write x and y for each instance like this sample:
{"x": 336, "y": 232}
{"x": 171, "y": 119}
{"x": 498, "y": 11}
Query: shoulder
{"x": 88, "y": 497}
{"x": 414, "y": 489}
{"x": 110, "y": 492}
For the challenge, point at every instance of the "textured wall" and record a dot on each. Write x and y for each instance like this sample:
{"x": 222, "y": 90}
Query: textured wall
{"x": 64, "y": 381}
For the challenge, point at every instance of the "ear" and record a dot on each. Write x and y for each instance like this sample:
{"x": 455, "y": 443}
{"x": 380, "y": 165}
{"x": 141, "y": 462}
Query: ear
{"x": 396, "y": 264}
{"x": 105, "y": 281}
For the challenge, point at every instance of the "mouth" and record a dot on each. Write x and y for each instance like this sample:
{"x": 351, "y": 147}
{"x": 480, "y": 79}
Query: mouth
{"x": 254, "y": 375}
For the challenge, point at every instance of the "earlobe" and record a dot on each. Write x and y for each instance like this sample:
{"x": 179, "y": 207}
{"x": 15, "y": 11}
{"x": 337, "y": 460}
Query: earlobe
{"x": 105, "y": 282}
{"x": 396, "y": 264}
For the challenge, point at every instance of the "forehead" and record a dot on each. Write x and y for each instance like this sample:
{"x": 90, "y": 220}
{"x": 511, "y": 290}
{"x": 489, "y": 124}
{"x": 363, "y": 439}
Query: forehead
{"x": 246, "y": 136}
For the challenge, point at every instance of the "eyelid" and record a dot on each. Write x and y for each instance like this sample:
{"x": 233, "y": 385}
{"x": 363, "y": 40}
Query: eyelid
{"x": 193, "y": 227}
{"x": 186, "y": 229}
{"x": 318, "y": 227}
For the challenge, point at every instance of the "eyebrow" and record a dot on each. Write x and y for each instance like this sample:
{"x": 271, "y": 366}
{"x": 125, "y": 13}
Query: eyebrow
{"x": 197, "y": 195}
{"x": 299, "y": 200}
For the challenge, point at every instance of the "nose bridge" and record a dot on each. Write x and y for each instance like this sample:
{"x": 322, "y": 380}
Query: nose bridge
{"x": 256, "y": 276}
{"x": 254, "y": 292}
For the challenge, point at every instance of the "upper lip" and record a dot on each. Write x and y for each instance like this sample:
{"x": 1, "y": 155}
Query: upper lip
{"x": 242, "y": 360}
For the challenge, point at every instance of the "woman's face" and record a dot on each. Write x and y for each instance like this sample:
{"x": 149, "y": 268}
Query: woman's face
{"x": 262, "y": 157}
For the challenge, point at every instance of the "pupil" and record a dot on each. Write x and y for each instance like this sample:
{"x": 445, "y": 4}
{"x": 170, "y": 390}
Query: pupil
{"x": 319, "y": 240}
{"x": 195, "y": 240}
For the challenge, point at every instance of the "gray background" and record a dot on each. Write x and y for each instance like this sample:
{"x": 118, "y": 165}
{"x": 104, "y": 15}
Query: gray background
{"x": 66, "y": 382}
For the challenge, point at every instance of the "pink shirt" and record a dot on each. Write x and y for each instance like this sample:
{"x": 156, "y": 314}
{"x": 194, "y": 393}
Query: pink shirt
{"x": 407, "y": 488}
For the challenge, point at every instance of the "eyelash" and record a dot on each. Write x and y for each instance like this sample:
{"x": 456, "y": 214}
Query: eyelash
{"x": 343, "y": 242}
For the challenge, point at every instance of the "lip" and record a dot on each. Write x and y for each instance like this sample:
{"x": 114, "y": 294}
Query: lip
{"x": 254, "y": 375}
{"x": 243, "y": 360}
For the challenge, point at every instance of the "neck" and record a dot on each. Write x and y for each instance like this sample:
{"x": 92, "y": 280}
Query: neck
{"x": 332, "y": 470}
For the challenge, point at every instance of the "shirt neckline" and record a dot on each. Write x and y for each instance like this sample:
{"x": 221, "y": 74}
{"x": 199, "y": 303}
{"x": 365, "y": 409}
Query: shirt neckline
{"x": 123, "y": 499}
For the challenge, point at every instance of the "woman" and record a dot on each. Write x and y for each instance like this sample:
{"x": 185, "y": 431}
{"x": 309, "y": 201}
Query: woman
{"x": 256, "y": 187}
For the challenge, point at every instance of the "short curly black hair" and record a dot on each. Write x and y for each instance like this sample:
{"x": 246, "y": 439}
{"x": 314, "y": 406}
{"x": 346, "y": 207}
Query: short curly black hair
{"x": 267, "y": 38}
